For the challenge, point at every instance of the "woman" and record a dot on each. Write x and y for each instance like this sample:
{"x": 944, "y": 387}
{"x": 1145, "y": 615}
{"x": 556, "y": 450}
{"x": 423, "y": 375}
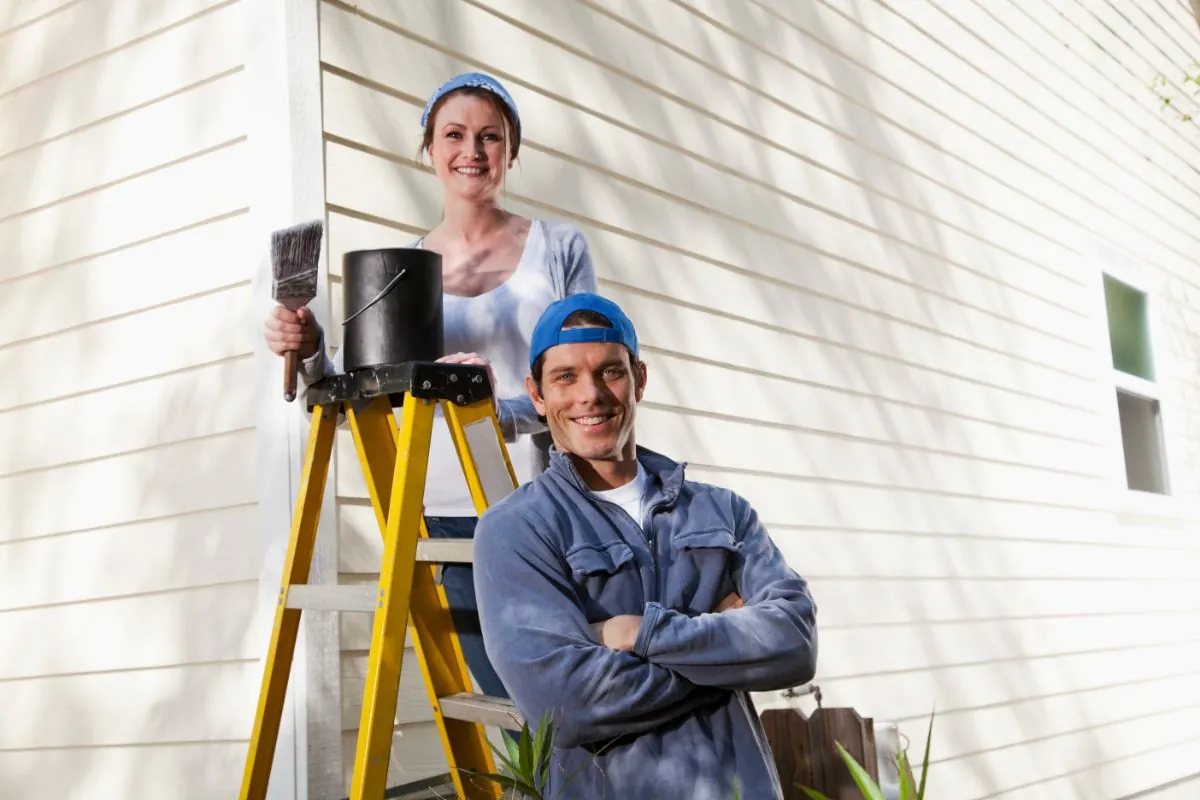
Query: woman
{"x": 500, "y": 271}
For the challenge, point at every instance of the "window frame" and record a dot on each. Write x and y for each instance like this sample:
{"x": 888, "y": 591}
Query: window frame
{"x": 1105, "y": 261}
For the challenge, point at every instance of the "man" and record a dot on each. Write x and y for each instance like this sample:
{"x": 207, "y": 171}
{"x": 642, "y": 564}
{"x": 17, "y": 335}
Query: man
{"x": 636, "y": 608}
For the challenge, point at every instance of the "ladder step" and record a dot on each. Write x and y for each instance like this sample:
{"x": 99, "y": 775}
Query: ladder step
{"x": 481, "y": 708}
{"x": 438, "y": 787}
{"x": 326, "y": 597}
{"x": 364, "y": 597}
{"x": 446, "y": 551}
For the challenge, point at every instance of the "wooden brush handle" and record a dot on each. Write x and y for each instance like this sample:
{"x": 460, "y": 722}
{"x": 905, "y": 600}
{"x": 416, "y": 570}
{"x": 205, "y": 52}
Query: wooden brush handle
{"x": 291, "y": 366}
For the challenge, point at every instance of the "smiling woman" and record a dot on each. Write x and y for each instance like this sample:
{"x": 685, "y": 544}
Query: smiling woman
{"x": 476, "y": 133}
{"x": 500, "y": 271}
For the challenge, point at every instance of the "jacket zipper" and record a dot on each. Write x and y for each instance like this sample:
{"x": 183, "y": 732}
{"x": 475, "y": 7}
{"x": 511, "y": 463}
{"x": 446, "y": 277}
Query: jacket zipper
{"x": 652, "y": 542}
{"x": 647, "y": 537}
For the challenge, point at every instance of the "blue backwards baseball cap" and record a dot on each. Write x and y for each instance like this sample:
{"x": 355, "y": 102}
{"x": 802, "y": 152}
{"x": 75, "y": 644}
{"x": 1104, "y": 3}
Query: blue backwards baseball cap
{"x": 477, "y": 80}
{"x": 548, "y": 332}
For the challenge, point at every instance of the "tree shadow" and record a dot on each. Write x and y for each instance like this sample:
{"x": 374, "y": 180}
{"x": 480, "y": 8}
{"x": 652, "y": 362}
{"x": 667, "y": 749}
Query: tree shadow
{"x": 128, "y": 543}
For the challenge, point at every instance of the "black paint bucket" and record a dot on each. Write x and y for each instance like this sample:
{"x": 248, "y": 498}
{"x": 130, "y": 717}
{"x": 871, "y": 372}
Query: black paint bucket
{"x": 392, "y": 302}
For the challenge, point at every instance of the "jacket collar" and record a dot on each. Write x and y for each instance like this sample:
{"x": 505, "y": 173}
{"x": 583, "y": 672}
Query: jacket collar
{"x": 663, "y": 471}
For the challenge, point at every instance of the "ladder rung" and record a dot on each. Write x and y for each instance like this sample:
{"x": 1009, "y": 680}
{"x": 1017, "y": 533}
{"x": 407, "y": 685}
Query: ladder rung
{"x": 446, "y": 551}
{"x": 436, "y": 788}
{"x": 481, "y": 708}
{"x": 324, "y": 597}
{"x": 364, "y": 597}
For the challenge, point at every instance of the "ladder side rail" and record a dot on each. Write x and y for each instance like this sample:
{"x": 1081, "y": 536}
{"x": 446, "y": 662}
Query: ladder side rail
{"x": 298, "y": 561}
{"x": 377, "y": 720}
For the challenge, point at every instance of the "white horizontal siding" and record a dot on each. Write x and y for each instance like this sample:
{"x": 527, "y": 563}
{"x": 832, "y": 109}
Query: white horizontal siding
{"x": 158, "y": 629}
{"x": 130, "y": 707}
{"x": 129, "y": 550}
{"x": 854, "y": 237}
{"x": 129, "y": 279}
{"x": 143, "y": 140}
{"x": 209, "y": 400}
{"x": 169, "y": 337}
{"x": 95, "y": 31}
{"x": 381, "y": 55}
{"x": 975, "y": 114}
{"x": 176, "y": 552}
{"x": 130, "y": 770}
{"x": 20, "y": 13}
{"x": 201, "y": 189}
{"x": 119, "y": 81}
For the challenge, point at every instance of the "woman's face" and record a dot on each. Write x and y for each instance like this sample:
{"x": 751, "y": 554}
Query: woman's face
{"x": 469, "y": 148}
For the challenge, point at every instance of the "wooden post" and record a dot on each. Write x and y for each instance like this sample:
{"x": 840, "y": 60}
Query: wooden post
{"x": 788, "y": 733}
{"x": 805, "y": 753}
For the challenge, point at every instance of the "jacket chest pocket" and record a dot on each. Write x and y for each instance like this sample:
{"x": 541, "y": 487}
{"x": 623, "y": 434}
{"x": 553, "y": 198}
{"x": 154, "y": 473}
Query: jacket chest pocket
{"x": 703, "y": 572}
{"x": 607, "y": 579}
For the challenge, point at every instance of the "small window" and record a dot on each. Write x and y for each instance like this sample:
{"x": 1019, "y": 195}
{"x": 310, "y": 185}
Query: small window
{"x": 1137, "y": 393}
{"x": 1128, "y": 329}
{"x": 1141, "y": 438}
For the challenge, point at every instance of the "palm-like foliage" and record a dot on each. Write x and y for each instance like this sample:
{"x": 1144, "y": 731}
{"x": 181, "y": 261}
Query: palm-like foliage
{"x": 869, "y": 788}
{"x": 524, "y": 762}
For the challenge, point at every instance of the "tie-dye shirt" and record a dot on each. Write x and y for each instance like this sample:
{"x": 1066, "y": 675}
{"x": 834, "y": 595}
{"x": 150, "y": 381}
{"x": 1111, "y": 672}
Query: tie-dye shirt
{"x": 498, "y": 325}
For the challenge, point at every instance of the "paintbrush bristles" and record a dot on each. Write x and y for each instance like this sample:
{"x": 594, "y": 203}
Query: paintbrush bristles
{"x": 295, "y": 254}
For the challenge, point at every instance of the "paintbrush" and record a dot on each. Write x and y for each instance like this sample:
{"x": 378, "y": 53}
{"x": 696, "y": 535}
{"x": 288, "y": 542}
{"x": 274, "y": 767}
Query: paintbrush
{"x": 295, "y": 253}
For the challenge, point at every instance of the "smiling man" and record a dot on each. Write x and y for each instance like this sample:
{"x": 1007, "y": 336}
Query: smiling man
{"x": 635, "y": 608}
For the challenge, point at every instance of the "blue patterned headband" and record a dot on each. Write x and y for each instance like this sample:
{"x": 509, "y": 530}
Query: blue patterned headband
{"x": 477, "y": 80}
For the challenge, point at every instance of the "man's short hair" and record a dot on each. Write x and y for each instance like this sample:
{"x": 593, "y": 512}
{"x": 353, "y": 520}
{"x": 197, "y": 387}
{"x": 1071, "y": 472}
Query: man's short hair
{"x": 584, "y": 318}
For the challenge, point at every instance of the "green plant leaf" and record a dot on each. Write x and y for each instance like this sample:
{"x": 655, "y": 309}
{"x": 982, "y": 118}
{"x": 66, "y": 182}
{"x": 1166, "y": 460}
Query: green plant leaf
{"x": 925, "y": 760}
{"x": 514, "y": 750}
{"x": 812, "y": 793}
{"x": 505, "y": 781}
{"x": 503, "y": 756}
{"x": 542, "y": 748}
{"x": 870, "y": 790}
{"x": 526, "y": 750}
{"x": 907, "y": 790}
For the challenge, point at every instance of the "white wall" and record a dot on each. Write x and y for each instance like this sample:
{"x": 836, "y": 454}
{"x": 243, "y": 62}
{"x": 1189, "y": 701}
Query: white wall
{"x": 129, "y": 554}
{"x": 859, "y": 240}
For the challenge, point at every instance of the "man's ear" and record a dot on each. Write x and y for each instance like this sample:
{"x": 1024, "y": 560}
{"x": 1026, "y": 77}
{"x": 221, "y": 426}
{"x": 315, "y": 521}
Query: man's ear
{"x": 640, "y": 383}
{"x": 532, "y": 388}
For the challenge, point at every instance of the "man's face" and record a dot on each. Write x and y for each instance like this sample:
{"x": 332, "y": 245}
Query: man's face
{"x": 589, "y": 394}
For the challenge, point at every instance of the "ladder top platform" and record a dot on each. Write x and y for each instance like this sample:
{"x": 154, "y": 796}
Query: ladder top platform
{"x": 460, "y": 384}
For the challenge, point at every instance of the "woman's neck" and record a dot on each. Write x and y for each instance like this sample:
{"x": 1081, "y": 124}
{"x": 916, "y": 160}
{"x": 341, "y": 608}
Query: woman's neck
{"x": 471, "y": 222}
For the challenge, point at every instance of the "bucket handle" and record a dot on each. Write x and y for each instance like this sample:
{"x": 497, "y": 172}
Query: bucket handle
{"x": 377, "y": 297}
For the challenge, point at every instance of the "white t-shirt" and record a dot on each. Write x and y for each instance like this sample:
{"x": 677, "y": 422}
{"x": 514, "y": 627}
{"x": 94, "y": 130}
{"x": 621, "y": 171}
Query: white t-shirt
{"x": 484, "y": 324}
{"x": 631, "y": 496}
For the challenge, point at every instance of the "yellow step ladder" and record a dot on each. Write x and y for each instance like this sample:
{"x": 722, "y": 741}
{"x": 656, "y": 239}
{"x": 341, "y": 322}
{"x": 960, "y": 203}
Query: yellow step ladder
{"x": 394, "y": 462}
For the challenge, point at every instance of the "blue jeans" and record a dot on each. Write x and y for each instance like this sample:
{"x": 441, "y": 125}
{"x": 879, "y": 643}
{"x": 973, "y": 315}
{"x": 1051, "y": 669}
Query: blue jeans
{"x": 459, "y": 584}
